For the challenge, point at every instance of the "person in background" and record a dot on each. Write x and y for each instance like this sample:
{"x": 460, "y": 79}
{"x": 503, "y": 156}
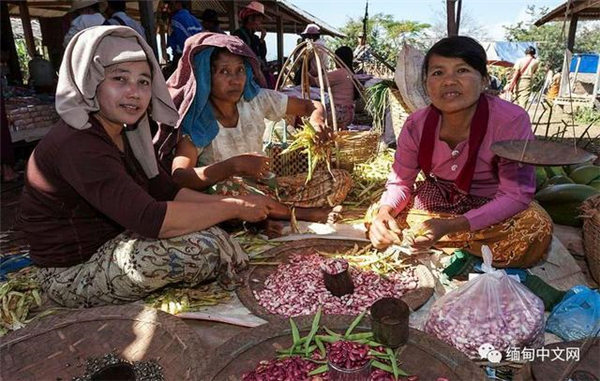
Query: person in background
{"x": 470, "y": 196}
{"x": 313, "y": 32}
{"x": 87, "y": 14}
{"x": 252, "y": 17}
{"x": 554, "y": 88}
{"x": 342, "y": 87}
{"x": 210, "y": 21}
{"x": 183, "y": 26}
{"x": 116, "y": 13}
{"x": 523, "y": 72}
{"x": 42, "y": 76}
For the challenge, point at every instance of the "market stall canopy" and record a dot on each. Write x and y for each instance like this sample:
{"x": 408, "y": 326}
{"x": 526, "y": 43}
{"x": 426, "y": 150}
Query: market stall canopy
{"x": 583, "y": 9}
{"x": 293, "y": 19}
{"x": 505, "y": 53}
{"x": 54, "y": 8}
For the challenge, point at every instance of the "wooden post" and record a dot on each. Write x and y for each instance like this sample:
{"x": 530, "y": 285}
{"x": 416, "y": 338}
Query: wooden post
{"x": 26, "y": 20}
{"x": 458, "y": 11}
{"x": 234, "y": 23}
{"x": 572, "y": 30}
{"x": 147, "y": 18}
{"x": 8, "y": 44}
{"x": 279, "y": 38}
{"x": 451, "y": 17}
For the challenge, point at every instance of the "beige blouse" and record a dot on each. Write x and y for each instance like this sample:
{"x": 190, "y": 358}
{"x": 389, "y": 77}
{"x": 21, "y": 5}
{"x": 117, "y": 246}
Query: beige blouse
{"x": 249, "y": 133}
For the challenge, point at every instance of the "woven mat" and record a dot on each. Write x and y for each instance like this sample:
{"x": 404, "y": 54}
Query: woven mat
{"x": 57, "y": 347}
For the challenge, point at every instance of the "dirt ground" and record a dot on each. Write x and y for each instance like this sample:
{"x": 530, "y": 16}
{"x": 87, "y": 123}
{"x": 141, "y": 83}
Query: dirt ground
{"x": 557, "y": 124}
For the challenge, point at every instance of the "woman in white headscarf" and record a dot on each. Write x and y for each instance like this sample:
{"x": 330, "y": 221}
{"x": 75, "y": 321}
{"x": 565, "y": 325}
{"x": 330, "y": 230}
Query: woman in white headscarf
{"x": 105, "y": 222}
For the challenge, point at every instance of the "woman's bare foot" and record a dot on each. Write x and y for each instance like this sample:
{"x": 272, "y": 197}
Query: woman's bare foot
{"x": 335, "y": 214}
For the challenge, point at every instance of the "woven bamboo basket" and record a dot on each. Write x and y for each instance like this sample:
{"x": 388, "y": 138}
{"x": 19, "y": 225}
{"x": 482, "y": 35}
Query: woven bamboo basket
{"x": 355, "y": 147}
{"x": 591, "y": 234}
{"x": 58, "y": 346}
{"x": 321, "y": 191}
{"x": 398, "y": 111}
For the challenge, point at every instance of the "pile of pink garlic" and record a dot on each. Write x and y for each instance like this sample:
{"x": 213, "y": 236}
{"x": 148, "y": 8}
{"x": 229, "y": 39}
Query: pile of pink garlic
{"x": 297, "y": 288}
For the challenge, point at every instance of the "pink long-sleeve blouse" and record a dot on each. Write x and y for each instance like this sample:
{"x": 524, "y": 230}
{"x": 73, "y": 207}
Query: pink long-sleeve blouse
{"x": 509, "y": 185}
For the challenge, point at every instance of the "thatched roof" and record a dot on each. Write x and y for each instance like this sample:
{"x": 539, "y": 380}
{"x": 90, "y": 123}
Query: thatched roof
{"x": 293, "y": 18}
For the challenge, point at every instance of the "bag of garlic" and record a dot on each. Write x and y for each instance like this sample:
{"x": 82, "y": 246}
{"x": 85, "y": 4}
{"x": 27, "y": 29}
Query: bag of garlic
{"x": 493, "y": 311}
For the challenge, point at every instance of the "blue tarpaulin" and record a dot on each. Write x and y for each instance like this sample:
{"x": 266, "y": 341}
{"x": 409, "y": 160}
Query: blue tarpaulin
{"x": 506, "y": 53}
{"x": 589, "y": 63}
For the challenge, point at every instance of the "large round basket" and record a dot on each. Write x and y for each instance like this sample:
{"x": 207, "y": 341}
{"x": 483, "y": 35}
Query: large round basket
{"x": 591, "y": 234}
{"x": 423, "y": 355}
{"x": 57, "y": 347}
{"x": 256, "y": 276}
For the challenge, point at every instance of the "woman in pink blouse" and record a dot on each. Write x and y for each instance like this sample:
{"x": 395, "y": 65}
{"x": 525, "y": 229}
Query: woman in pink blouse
{"x": 470, "y": 196}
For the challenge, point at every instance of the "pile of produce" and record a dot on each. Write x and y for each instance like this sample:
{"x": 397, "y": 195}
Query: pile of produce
{"x": 562, "y": 190}
{"x": 309, "y": 357}
{"x": 370, "y": 178}
{"x": 378, "y": 101}
{"x": 316, "y": 149}
{"x": 334, "y": 266}
{"x": 176, "y": 300}
{"x": 24, "y": 113}
{"x": 288, "y": 368}
{"x": 253, "y": 244}
{"x": 297, "y": 288}
{"x": 19, "y": 294}
{"x": 490, "y": 309}
{"x": 369, "y": 259}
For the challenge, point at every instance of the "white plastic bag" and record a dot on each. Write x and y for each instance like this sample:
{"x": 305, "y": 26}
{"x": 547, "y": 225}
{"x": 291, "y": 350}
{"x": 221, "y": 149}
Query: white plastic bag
{"x": 492, "y": 311}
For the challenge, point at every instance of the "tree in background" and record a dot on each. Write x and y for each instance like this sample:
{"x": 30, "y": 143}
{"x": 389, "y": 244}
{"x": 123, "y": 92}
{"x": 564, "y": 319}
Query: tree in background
{"x": 468, "y": 27}
{"x": 385, "y": 35}
{"x": 549, "y": 38}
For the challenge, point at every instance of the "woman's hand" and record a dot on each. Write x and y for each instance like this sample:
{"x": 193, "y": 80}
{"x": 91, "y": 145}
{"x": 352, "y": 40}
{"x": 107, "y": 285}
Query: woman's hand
{"x": 253, "y": 208}
{"x": 324, "y": 133}
{"x": 305, "y": 107}
{"x": 384, "y": 230}
{"x": 253, "y": 165}
{"x": 431, "y": 231}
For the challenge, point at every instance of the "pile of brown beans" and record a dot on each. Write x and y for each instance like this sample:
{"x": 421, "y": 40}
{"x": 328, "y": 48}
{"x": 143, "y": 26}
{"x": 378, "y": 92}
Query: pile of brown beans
{"x": 348, "y": 354}
{"x": 289, "y": 368}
